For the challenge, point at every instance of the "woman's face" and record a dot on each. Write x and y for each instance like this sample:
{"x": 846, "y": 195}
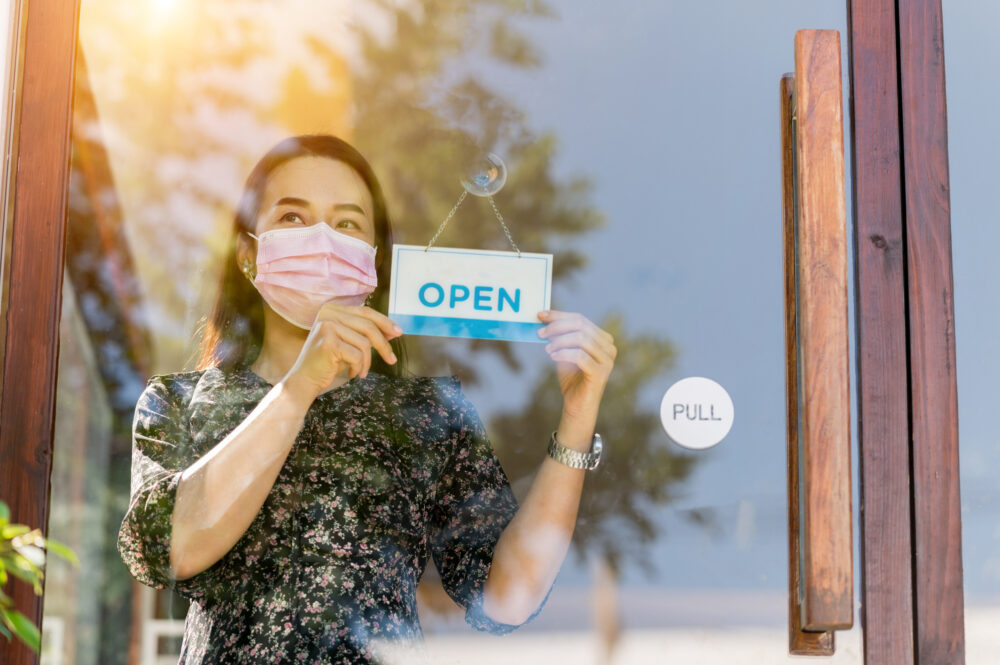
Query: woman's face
{"x": 317, "y": 190}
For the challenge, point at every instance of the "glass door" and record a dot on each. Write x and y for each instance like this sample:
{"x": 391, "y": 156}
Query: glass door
{"x": 641, "y": 143}
{"x": 971, "y": 131}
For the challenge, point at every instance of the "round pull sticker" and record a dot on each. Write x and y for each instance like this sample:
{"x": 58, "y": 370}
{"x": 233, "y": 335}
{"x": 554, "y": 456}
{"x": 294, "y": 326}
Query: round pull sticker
{"x": 696, "y": 412}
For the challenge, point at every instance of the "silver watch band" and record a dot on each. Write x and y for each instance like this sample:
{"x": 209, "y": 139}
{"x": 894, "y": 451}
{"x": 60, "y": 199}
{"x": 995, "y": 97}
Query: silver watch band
{"x": 575, "y": 458}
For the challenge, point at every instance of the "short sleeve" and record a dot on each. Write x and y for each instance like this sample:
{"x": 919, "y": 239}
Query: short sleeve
{"x": 474, "y": 503}
{"x": 161, "y": 451}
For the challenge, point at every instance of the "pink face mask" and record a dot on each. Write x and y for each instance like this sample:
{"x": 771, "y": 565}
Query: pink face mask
{"x": 301, "y": 269}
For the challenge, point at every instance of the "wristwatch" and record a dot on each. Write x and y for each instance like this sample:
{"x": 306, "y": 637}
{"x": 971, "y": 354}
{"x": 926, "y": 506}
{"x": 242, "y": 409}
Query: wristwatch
{"x": 575, "y": 458}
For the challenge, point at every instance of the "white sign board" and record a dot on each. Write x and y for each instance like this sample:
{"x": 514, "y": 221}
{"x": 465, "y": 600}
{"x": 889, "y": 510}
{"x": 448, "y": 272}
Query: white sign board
{"x": 696, "y": 412}
{"x": 476, "y": 293}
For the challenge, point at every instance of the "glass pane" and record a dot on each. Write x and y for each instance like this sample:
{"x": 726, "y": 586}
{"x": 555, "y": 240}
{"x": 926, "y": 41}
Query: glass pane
{"x": 9, "y": 31}
{"x": 642, "y": 151}
{"x": 972, "y": 132}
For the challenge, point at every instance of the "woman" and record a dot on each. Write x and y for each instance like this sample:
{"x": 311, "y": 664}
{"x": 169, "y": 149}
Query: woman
{"x": 295, "y": 485}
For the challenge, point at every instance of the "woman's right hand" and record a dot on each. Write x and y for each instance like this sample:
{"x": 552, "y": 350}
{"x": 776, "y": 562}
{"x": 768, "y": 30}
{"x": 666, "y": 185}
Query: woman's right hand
{"x": 341, "y": 339}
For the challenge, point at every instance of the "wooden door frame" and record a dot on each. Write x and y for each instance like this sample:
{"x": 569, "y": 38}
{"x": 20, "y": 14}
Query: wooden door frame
{"x": 881, "y": 335}
{"x": 33, "y": 276}
{"x": 912, "y": 592}
{"x": 939, "y": 621}
{"x": 907, "y": 390}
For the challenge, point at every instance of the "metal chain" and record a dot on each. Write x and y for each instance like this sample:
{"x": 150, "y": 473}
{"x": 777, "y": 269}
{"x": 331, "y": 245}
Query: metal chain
{"x": 447, "y": 219}
{"x": 504, "y": 225}
{"x": 452, "y": 214}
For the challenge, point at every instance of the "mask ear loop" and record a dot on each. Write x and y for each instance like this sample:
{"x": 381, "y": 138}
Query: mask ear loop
{"x": 249, "y": 271}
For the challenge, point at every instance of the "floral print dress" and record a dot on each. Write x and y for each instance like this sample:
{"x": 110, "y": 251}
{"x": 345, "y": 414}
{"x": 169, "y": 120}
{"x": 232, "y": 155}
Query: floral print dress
{"x": 385, "y": 474}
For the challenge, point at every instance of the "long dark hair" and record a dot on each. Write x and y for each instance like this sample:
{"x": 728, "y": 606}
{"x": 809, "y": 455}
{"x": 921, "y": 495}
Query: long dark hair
{"x": 234, "y": 331}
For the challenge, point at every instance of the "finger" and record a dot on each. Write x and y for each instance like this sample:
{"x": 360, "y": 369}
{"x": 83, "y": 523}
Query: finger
{"x": 555, "y": 315}
{"x": 598, "y": 367}
{"x": 351, "y": 355}
{"x": 580, "y": 339}
{"x": 333, "y": 312}
{"x": 373, "y": 334}
{"x": 552, "y": 316}
{"x": 388, "y": 327}
{"x": 578, "y": 357}
{"x": 594, "y": 334}
{"x": 335, "y": 342}
{"x": 356, "y": 341}
{"x": 562, "y": 325}
{"x": 568, "y": 323}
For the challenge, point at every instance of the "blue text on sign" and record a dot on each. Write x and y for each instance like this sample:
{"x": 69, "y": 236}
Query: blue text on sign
{"x": 433, "y": 294}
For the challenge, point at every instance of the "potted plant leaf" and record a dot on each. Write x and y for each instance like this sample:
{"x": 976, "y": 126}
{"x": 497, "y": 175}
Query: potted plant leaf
{"x": 22, "y": 554}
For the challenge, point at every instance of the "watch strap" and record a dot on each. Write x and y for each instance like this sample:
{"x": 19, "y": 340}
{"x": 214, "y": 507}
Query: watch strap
{"x": 575, "y": 458}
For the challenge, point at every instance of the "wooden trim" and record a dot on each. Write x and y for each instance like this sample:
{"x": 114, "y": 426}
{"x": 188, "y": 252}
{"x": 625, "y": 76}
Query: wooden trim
{"x": 36, "y": 269}
{"x": 800, "y": 642}
{"x": 937, "y": 521}
{"x": 824, "y": 376}
{"x": 880, "y": 327}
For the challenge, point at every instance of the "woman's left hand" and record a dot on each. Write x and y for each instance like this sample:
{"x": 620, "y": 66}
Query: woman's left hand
{"x": 585, "y": 355}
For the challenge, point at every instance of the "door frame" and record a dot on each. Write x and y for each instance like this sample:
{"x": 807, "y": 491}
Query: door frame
{"x": 911, "y": 545}
{"x": 905, "y": 342}
{"x": 33, "y": 271}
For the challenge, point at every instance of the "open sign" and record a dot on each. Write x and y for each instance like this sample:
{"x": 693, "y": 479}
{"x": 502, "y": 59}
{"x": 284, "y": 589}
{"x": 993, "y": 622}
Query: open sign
{"x": 476, "y": 293}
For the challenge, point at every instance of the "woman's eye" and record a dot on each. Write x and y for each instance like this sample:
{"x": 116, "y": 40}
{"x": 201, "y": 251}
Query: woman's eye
{"x": 291, "y": 217}
{"x": 347, "y": 224}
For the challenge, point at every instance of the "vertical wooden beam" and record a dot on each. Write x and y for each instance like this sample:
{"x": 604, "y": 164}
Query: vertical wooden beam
{"x": 800, "y": 642}
{"x": 937, "y": 523}
{"x": 880, "y": 327}
{"x": 31, "y": 326}
{"x": 821, "y": 315}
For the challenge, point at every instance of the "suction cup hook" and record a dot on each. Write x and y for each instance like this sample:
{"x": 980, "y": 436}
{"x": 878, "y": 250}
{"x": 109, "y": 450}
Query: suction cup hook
{"x": 485, "y": 175}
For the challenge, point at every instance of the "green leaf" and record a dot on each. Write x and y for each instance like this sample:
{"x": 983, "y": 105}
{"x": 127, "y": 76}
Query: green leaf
{"x": 28, "y": 576}
{"x": 12, "y": 531}
{"x": 24, "y": 563}
{"x": 24, "y": 629}
{"x": 4, "y": 632}
{"x": 4, "y": 513}
{"x": 62, "y": 550}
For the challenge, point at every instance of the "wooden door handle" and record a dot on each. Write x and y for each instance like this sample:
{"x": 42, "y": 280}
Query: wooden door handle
{"x": 816, "y": 345}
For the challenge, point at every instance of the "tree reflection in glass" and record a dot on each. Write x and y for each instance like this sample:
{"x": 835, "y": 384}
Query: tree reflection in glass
{"x": 186, "y": 99}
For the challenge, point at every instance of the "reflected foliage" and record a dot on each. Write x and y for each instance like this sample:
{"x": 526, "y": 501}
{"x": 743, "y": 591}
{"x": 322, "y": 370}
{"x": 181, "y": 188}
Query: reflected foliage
{"x": 397, "y": 79}
{"x": 101, "y": 267}
{"x": 421, "y": 116}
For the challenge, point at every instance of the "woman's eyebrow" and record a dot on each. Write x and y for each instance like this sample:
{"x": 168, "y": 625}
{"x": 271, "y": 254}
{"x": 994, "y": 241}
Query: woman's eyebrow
{"x": 296, "y": 201}
{"x": 353, "y": 207}
{"x": 292, "y": 201}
